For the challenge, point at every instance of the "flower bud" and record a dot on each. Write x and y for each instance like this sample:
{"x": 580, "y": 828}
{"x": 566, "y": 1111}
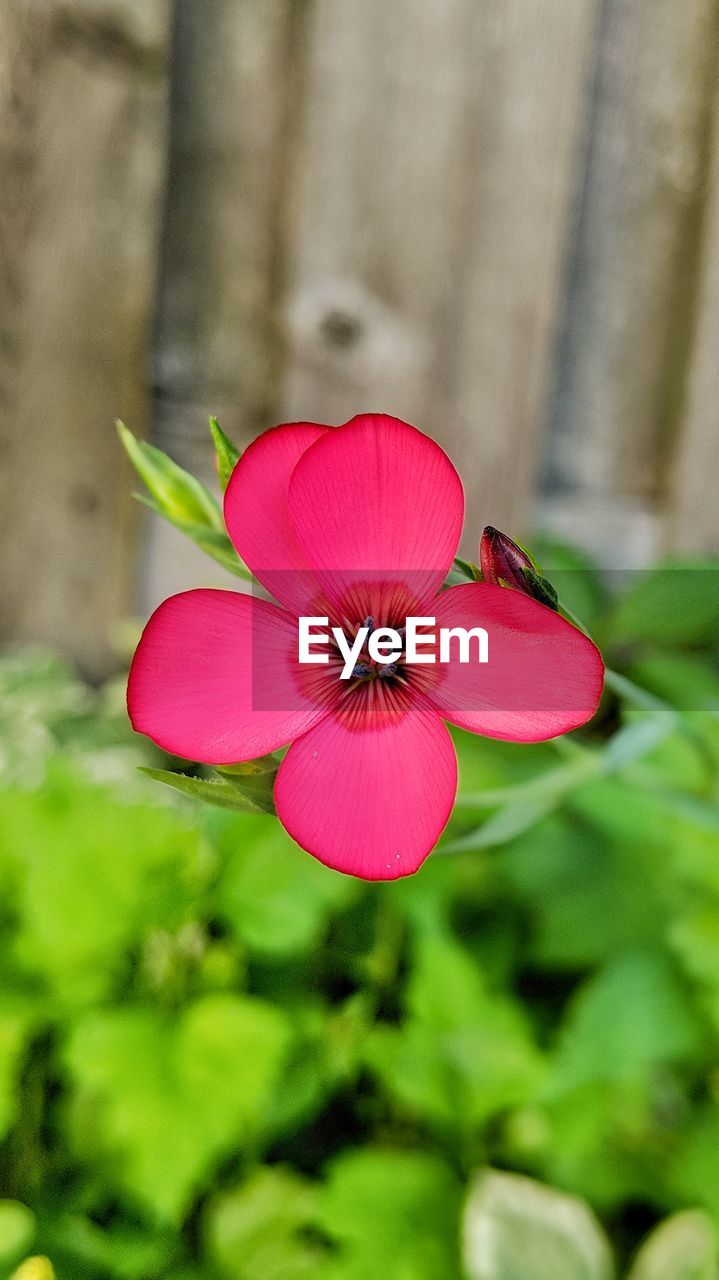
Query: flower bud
{"x": 506, "y": 564}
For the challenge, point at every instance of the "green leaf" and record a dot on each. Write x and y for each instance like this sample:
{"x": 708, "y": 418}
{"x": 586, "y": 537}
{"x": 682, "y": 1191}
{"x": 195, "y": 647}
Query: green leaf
{"x": 214, "y": 542}
{"x": 541, "y": 589}
{"x": 393, "y": 1214}
{"x": 94, "y": 873}
{"x": 636, "y": 1010}
{"x": 462, "y": 1054}
{"x": 248, "y": 798}
{"x": 275, "y": 896}
{"x": 676, "y": 603}
{"x": 178, "y": 494}
{"x": 260, "y": 1231}
{"x": 162, "y": 1100}
{"x": 694, "y": 1170}
{"x": 17, "y": 1231}
{"x": 254, "y": 779}
{"x": 685, "y": 1247}
{"x": 15, "y": 1030}
{"x": 517, "y": 1229}
{"x": 227, "y": 453}
{"x": 37, "y": 1268}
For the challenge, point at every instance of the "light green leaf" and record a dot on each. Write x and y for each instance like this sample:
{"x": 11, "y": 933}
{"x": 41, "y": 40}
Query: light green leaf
{"x": 685, "y": 1247}
{"x": 636, "y": 1010}
{"x": 17, "y": 1231}
{"x": 178, "y": 494}
{"x": 214, "y": 542}
{"x": 462, "y": 1054}
{"x": 93, "y": 874}
{"x": 227, "y": 453}
{"x": 274, "y": 894}
{"x": 392, "y": 1214}
{"x": 517, "y": 1229}
{"x": 248, "y": 798}
{"x": 164, "y": 1099}
{"x": 260, "y": 1230}
{"x": 673, "y": 604}
{"x": 37, "y": 1268}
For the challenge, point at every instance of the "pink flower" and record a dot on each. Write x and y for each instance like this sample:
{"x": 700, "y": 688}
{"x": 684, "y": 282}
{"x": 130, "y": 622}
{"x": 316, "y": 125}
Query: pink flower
{"x": 358, "y": 523}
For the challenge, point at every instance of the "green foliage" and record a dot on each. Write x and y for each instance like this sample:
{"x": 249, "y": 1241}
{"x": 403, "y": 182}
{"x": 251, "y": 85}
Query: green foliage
{"x": 219, "y": 1060}
{"x": 226, "y": 452}
{"x": 183, "y": 500}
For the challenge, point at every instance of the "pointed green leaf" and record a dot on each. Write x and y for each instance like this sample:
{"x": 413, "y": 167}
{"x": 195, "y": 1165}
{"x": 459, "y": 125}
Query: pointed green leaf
{"x": 227, "y": 453}
{"x": 179, "y": 495}
{"x": 253, "y": 782}
{"x": 214, "y": 542}
{"x": 219, "y": 792}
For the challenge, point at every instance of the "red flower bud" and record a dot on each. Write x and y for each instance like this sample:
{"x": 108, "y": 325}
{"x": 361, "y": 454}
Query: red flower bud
{"x": 505, "y": 564}
{"x": 501, "y": 558}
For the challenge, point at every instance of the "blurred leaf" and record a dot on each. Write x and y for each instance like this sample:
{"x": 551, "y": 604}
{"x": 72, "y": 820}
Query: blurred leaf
{"x": 694, "y": 1171}
{"x": 15, "y": 1026}
{"x": 261, "y": 1230}
{"x": 166, "y": 1100}
{"x": 274, "y": 894}
{"x": 246, "y": 797}
{"x": 685, "y": 681}
{"x": 587, "y": 894}
{"x": 393, "y": 1214}
{"x": 685, "y": 1247}
{"x": 178, "y": 494}
{"x": 226, "y": 452}
{"x": 673, "y": 604}
{"x": 17, "y": 1231}
{"x": 462, "y": 1055}
{"x": 517, "y": 1229}
{"x": 38, "y": 1268}
{"x": 92, "y": 873}
{"x": 629, "y": 1018}
{"x": 77, "y": 1244}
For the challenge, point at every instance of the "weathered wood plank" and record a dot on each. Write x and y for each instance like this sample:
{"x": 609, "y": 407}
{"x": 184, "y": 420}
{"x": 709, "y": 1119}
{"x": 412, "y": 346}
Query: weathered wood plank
{"x": 217, "y": 345}
{"x": 433, "y": 180}
{"x": 693, "y": 520}
{"x": 83, "y": 284}
{"x": 627, "y": 322}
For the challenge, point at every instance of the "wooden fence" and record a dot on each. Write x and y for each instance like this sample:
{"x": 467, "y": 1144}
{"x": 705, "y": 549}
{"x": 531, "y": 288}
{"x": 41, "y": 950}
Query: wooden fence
{"x": 496, "y": 218}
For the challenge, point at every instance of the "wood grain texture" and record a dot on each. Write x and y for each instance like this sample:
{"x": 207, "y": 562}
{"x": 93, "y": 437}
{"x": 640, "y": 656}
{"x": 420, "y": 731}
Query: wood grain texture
{"x": 433, "y": 180}
{"x": 627, "y": 320}
{"x": 217, "y": 348}
{"x": 84, "y": 276}
{"x": 693, "y": 522}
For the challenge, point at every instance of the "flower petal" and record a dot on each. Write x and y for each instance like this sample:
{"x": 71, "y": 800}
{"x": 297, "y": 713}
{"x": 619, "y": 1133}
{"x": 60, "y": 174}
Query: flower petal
{"x": 215, "y": 678}
{"x": 543, "y": 676}
{"x": 377, "y": 499}
{"x": 370, "y": 801}
{"x": 256, "y": 515}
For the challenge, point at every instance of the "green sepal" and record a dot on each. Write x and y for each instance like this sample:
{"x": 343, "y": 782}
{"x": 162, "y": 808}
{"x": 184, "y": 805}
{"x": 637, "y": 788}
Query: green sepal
{"x": 541, "y": 589}
{"x": 470, "y": 570}
{"x": 178, "y": 494}
{"x": 254, "y": 779}
{"x": 214, "y": 542}
{"x": 217, "y": 791}
{"x": 226, "y": 452}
